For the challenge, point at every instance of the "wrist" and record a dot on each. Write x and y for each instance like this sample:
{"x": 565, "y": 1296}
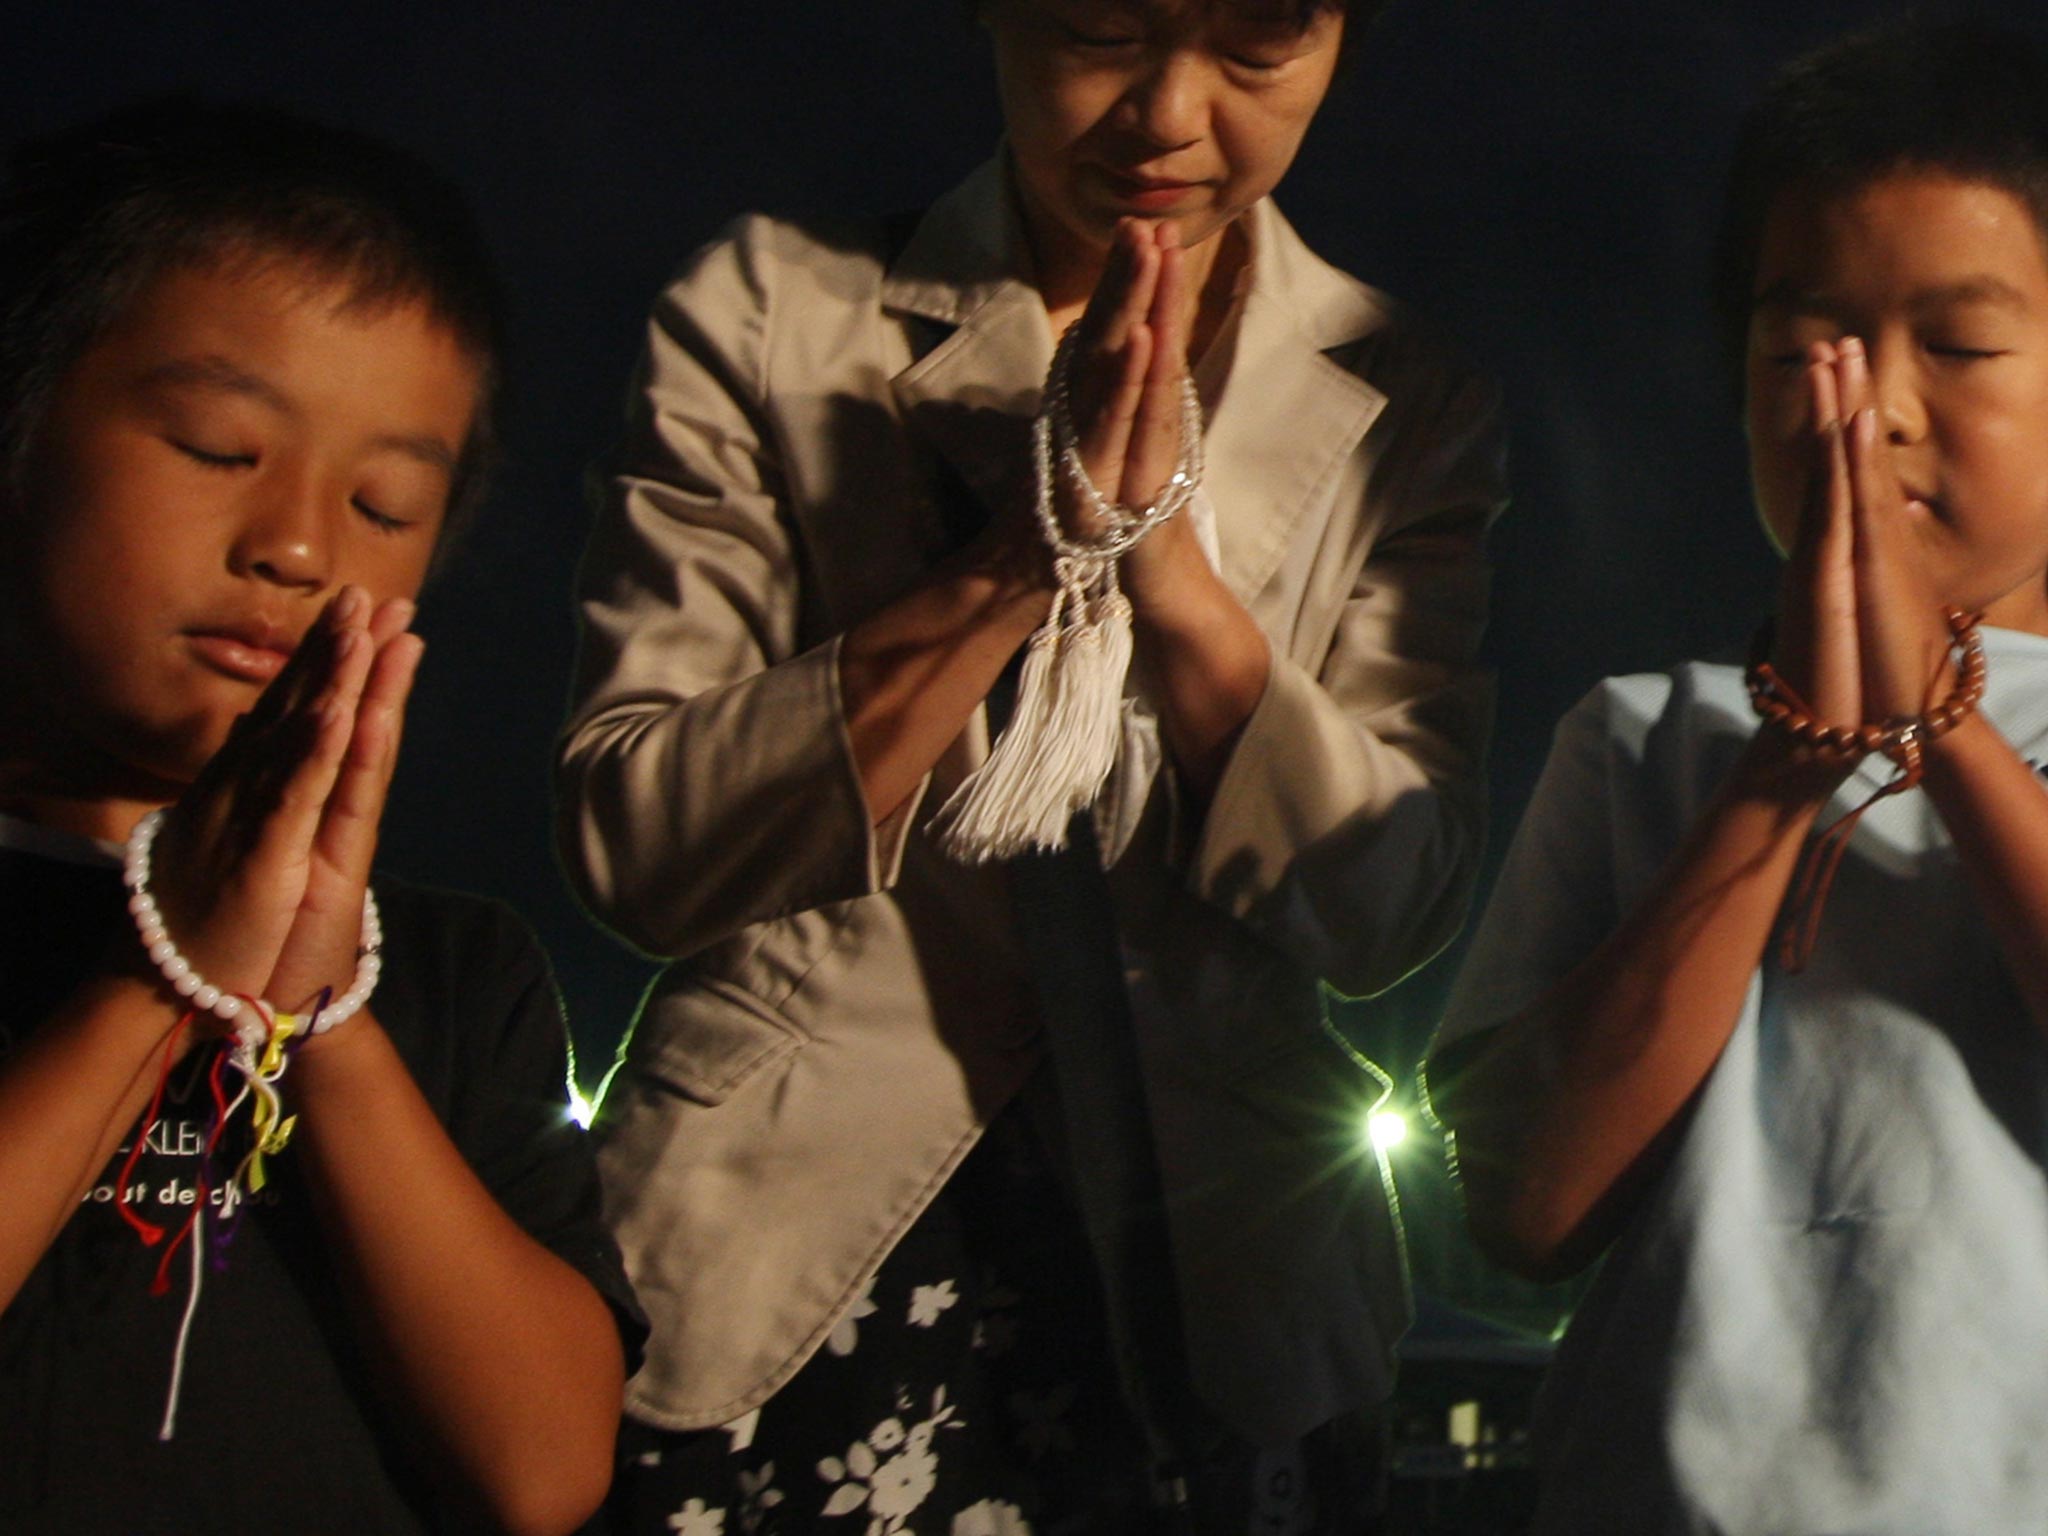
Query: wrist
{"x": 1969, "y": 739}
{"x": 1009, "y": 571}
{"x": 1904, "y": 738}
{"x": 1775, "y": 769}
{"x": 133, "y": 1006}
{"x": 324, "y": 1062}
{"x": 1173, "y": 589}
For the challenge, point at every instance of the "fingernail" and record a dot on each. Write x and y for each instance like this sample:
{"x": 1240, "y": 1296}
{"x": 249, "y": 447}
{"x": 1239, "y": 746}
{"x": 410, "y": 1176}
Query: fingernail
{"x": 1852, "y": 346}
{"x": 348, "y": 606}
{"x": 403, "y": 609}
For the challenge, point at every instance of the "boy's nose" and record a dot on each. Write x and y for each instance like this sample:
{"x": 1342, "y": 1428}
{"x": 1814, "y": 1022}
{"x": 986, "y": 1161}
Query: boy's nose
{"x": 283, "y": 541}
{"x": 1895, "y": 391}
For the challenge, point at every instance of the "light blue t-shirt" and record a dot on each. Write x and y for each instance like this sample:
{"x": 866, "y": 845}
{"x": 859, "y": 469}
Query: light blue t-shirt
{"x": 1831, "y": 1316}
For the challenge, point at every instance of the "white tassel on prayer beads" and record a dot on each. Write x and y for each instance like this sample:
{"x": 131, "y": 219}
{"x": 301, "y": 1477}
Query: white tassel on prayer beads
{"x": 1061, "y": 740}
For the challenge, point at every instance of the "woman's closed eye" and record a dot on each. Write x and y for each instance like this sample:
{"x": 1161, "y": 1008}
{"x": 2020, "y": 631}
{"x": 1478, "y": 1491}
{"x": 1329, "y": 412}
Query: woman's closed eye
{"x": 1264, "y": 52}
{"x": 1098, "y": 41}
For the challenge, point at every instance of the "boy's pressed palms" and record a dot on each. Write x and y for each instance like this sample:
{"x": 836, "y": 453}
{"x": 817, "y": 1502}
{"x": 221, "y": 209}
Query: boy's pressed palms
{"x": 321, "y": 947}
{"x": 238, "y": 845}
{"x": 1816, "y": 637}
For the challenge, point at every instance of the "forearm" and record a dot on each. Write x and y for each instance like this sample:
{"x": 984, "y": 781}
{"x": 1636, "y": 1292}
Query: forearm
{"x": 1995, "y": 808}
{"x": 505, "y": 1354}
{"x": 912, "y": 674}
{"x": 68, "y": 1096}
{"x": 1204, "y": 658}
{"x": 1562, "y": 1116}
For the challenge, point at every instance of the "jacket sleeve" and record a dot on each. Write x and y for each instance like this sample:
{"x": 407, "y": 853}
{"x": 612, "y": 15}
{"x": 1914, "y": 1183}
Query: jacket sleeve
{"x": 705, "y": 779}
{"x": 1348, "y": 822}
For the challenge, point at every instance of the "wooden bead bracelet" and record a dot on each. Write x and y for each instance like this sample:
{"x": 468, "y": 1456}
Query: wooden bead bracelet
{"x": 1901, "y": 740}
{"x": 1904, "y": 741}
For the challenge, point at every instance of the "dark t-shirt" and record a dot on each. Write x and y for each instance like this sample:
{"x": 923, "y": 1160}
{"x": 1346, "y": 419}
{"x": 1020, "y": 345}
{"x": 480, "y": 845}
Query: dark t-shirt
{"x": 278, "y": 1428}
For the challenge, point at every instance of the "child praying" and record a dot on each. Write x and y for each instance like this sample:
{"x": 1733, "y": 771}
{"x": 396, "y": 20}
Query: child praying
{"x": 1758, "y": 1010}
{"x": 297, "y": 1231}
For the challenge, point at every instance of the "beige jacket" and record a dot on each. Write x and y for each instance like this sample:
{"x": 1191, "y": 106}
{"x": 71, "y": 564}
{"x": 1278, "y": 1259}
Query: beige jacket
{"x": 846, "y": 1008}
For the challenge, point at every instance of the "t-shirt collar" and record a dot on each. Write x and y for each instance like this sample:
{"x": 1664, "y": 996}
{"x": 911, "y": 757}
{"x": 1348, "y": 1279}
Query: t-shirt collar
{"x": 50, "y": 843}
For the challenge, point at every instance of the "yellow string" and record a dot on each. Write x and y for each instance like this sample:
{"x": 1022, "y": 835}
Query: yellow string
{"x": 270, "y": 1127}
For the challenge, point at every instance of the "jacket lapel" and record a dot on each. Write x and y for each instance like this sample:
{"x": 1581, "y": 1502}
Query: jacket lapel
{"x": 1288, "y": 416}
{"x": 981, "y": 336}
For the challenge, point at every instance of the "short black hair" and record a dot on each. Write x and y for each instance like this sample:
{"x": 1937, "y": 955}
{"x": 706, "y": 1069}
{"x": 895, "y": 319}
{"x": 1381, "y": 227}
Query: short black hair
{"x": 1965, "y": 99}
{"x": 91, "y": 216}
{"x": 1357, "y": 14}
{"x": 1295, "y": 12}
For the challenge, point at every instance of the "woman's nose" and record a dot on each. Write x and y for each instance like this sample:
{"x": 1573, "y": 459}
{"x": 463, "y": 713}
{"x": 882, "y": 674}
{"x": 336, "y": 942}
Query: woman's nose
{"x": 1166, "y": 104}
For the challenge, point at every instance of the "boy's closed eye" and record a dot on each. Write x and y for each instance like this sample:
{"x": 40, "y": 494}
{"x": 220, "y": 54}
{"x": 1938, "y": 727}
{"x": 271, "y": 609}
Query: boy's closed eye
{"x": 381, "y": 520}
{"x": 213, "y": 458}
{"x": 1967, "y": 320}
{"x": 384, "y": 512}
{"x": 1795, "y": 357}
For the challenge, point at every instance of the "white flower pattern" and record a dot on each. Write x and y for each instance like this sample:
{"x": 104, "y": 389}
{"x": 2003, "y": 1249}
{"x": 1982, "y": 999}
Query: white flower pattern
{"x": 892, "y": 1489}
{"x": 991, "y": 1517}
{"x": 929, "y": 1302}
{"x": 887, "y": 1435}
{"x": 758, "y": 1495}
{"x": 902, "y": 1483}
{"x": 695, "y": 1519}
{"x": 845, "y": 1336}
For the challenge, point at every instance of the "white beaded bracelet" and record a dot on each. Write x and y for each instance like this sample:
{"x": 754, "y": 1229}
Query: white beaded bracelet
{"x": 188, "y": 983}
{"x": 1066, "y": 726}
{"x": 1121, "y": 528}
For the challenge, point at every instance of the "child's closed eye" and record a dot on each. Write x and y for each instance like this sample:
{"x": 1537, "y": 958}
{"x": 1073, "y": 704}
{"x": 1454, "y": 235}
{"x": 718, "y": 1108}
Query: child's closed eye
{"x": 213, "y": 458}
{"x": 382, "y": 521}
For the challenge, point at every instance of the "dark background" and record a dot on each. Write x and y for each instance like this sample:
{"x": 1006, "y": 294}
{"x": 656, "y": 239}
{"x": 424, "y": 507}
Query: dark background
{"x": 1539, "y": 176}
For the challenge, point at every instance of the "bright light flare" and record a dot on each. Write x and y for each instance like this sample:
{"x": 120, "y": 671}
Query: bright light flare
{"x": 580, "y": 1108}
{"x": 1386, "y": 1129}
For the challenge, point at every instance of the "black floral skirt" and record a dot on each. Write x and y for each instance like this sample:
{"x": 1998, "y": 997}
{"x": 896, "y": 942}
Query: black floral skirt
{"x": 971, "y": 1392}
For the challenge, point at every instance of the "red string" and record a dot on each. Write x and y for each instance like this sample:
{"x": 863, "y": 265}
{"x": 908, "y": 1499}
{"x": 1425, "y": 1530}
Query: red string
{"x": 162, "y": 1283}
{"x": 150, "y": 1233}
{"x": 1816, "y": 878}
